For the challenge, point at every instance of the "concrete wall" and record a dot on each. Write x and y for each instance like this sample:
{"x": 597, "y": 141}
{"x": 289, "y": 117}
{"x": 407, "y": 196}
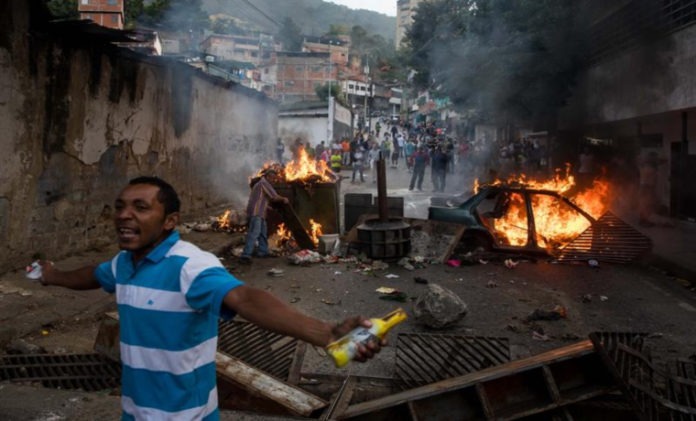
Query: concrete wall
{"x": 650, "y": 79}
{"x": 79, "y": 118}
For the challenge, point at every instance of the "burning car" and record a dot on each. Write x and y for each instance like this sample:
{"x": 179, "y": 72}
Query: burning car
{"x": 507, "y": 217}
{"x": 540, "y": 218}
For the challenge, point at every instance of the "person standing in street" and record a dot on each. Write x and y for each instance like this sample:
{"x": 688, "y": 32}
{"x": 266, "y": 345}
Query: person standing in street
{"x": 439, "y": 169}
{"x": 359, "y": 164}
{"x": 260, "y": 199}
{"x": 170, "y": 296}
{"x": 420, "y": 161}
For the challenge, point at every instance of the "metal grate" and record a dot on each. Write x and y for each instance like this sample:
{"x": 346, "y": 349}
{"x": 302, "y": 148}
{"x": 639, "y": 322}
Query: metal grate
{"x": 89, "y": 372}
{"x": 609, "y": 239}
{"x": 265, "y": 350}
{"x": 427, "y": 358}
{"x": 655, "y": 394}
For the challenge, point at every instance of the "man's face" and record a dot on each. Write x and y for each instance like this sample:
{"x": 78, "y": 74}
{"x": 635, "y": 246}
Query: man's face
{"x": 140, "y": 221}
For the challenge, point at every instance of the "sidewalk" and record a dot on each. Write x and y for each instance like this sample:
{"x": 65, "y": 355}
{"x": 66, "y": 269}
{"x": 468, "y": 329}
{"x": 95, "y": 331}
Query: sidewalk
{"x": 674, "y": 249}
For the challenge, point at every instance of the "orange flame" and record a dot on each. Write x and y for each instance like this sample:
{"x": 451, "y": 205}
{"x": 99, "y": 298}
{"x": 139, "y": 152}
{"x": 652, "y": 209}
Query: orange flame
{"x": 303, "y": 168}
{"x": 556, "y": 223}
{"x": 315, "y": 231}
{"x": 224, "y": 220}
{"x": 283, "y": 235}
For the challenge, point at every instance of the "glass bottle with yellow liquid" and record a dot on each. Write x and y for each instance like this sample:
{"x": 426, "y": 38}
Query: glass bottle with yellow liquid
{"x": 344, "y": 349}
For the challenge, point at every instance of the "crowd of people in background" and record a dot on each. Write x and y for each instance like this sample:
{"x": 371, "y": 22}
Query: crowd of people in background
{"x": 418, "y": 147}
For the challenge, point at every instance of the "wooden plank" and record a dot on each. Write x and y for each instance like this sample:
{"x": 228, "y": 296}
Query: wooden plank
{"x": 260, "y": 384}
{"x": 293, "y": 223}
{"x": 512, "y": 368}
{"x": 342, "y": 399}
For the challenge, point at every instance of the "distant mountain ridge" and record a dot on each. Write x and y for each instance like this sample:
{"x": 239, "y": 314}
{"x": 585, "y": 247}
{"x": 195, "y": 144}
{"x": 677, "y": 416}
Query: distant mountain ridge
{"x": 314, "y": 17}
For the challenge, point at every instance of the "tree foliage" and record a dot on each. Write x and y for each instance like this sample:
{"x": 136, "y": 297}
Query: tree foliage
{"x": 510, "y": 59}
{"x": 322, "y": 91}
{"x": 290, "y": 35}
{"x": 177, "y": 15}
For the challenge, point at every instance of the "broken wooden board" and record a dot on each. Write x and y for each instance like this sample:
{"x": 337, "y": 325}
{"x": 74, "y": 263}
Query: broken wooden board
{"x": 264, "y": 393}
{"x": 548, "y": 383}
{"x": 293, "y": 223}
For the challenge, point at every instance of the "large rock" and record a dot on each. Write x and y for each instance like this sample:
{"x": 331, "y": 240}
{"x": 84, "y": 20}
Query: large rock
{"x": 439, "y": 307}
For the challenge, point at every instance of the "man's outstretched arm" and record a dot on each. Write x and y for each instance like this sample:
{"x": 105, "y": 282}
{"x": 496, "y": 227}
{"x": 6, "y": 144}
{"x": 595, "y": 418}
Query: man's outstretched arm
{"x": 80, "y": 279}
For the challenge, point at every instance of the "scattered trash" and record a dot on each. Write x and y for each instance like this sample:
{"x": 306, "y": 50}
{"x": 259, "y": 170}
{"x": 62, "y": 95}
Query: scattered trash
{"x": 587, "y": 298}
{"x": 276, "y": 272}
{"x": 399, "y": 296}
{"x": 483, "y": 262}
{"x": 338, "y": 272}
{"x": 328, "y": 302}
{"x": 391, "y": 294}
{"x": 570, "y": 337}
{"x": 603, "y": 298}
{"x": 558, "y": 312}
{"x": 593, "y": 263}
{"x": 455, "y": 263}
{"x": 33, "y": 271}
{"x": 379, "y": 265}
{"x": 420, "y": 280}
{"x": 294, "y": 299}
{"x": 491, "y": 284}
{"x": 305, "y": 257}
{"x": 510, "y": 264}
{"x": 391, "y": 276}
{"x": 202, "y": 227}
{"x": 655, "y": 335}
{"x": 540, "y": 336}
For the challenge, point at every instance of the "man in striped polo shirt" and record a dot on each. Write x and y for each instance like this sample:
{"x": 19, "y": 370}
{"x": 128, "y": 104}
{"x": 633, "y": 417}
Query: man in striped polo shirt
{"x": 170, "y": 295}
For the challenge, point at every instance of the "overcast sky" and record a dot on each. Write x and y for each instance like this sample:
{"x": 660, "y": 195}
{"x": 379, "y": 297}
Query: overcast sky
{"x": 388, "y": 7}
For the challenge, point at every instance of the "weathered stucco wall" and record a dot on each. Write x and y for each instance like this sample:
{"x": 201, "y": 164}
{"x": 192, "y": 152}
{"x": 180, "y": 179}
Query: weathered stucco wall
{"x": 649, "y": 79}
{"x": 79, "y": 118}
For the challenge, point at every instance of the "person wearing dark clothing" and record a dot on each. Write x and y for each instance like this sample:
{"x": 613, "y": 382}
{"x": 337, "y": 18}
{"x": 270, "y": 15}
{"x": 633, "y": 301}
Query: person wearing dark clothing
{"x": 439, "y": 169}
{"x": 420, "y": 161}
{"x": 260, "y": 198}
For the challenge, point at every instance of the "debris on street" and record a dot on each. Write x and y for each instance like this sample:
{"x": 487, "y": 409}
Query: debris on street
{"x": 557, "y": 313}
{"x": 439, "y": 307}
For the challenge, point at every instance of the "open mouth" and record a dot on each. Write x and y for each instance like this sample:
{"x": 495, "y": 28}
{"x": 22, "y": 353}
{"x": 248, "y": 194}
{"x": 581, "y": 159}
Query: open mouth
{"x": 126, "y": 234}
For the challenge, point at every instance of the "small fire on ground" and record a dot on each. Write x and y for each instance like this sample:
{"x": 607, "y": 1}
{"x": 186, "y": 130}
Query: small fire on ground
{"x": 556, "y": 223}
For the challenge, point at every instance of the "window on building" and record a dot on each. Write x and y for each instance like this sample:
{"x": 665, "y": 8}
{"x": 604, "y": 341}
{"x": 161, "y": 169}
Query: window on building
{"x": 316, "y": 69}
{"x": 112, "y": 2}
{"x": 85, "y": 2}
{"x": 114, "y": 19}
{"x": 299, "y": 68}
{"x": 289, "y": 83}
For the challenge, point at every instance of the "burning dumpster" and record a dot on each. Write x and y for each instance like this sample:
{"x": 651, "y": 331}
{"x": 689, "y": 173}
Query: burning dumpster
{"x": 313, "y": 191}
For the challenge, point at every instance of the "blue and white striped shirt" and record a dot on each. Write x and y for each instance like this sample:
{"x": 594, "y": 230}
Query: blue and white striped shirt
{"x": 168, "y": 305}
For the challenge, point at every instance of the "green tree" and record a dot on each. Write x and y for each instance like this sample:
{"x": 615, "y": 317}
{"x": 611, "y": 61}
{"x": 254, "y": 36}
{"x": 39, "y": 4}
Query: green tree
{"x": 226, "y": 26}
{"x": 322, "y": 91}
{"x": 512, "y": 60}
{"x": 180, "y": 15}
{"x": 63, "y": 9}
{"x": 291, "y": 35}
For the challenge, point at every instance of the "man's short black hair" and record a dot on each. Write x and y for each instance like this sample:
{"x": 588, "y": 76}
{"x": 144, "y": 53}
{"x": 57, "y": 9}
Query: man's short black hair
{"x": 166, "y": 195}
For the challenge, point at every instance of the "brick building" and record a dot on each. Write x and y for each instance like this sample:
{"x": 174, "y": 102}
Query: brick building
{"x": 109, "y": 13}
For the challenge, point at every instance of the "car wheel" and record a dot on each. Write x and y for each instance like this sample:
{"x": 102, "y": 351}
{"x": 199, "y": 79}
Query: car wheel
{"x": 476, "y": 243}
